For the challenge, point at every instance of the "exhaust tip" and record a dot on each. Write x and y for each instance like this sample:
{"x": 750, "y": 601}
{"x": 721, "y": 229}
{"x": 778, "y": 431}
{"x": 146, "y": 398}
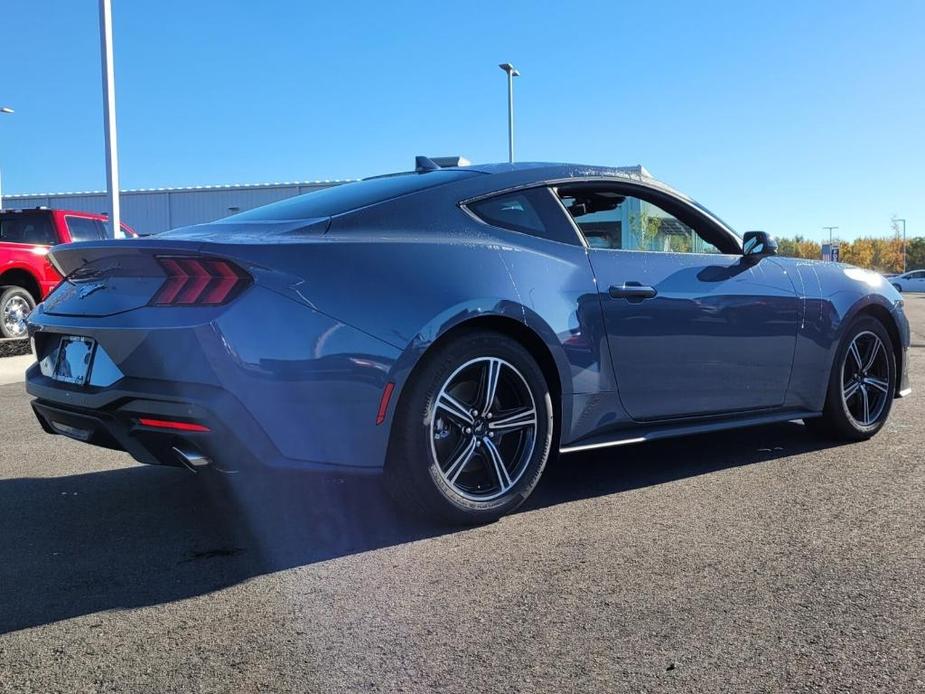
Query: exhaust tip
{"x": 192, "y": 459}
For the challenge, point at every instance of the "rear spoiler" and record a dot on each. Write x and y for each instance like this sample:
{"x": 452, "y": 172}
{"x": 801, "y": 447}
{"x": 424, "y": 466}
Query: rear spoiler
{"x": 222, "y": 238}
{"x": 70, "y": 256}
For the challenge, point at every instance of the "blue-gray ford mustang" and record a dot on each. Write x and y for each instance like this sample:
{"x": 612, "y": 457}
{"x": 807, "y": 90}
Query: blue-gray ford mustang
{"x": 454, "y": 328}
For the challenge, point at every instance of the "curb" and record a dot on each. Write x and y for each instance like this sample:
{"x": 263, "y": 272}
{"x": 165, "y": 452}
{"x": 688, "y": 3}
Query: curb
{"x": 14, "y": 347}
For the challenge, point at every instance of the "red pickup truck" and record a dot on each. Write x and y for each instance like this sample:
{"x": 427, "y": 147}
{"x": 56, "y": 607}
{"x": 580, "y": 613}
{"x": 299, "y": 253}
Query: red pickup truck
{"x": 26, "y": 275}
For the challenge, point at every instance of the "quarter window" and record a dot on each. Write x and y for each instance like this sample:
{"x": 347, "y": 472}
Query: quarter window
{"x": 533, "y": 211}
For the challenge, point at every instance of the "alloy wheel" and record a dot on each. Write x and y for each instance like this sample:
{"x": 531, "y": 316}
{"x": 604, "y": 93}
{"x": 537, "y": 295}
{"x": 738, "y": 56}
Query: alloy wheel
{"x": 14, "y": 314}
{"x": 866, "y": 378}
{"x": 483, "y": 428}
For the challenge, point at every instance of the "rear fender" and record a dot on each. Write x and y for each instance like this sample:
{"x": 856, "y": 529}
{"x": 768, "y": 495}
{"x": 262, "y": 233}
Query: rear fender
{"x": 481, "y": 311}
{"x": 485, "y": 313}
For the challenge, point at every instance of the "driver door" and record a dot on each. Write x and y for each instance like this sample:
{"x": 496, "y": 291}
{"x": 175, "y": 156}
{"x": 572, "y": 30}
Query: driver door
{"x": 692, "y": 331}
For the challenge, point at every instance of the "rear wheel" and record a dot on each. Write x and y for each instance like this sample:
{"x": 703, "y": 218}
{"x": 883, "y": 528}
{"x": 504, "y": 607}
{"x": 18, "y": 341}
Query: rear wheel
{"x": 15, "y": 306}
{"x": 861, "y": 385}
{"x": 473, "y": 431}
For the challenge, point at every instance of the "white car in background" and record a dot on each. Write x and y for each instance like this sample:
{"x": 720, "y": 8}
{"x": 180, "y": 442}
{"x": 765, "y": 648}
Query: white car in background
{"x": 912, "y": 281}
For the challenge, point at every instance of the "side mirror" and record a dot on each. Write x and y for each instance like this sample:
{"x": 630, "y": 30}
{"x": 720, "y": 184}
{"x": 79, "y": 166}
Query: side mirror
{"x": 758, "y": 244}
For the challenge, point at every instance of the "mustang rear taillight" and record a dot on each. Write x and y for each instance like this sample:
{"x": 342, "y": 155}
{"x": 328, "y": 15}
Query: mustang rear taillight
{"x": 199, "y": 281}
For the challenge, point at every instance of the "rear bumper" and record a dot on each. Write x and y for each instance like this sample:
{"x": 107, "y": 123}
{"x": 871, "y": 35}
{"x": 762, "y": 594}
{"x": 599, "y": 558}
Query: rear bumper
{"x": 276, "y": 383}
{"x": 110, "y": 418}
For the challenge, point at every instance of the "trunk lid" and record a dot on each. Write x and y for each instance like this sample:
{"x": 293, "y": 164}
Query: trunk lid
{"x": 104, "y": 278}
{"x": 109, "y": 277}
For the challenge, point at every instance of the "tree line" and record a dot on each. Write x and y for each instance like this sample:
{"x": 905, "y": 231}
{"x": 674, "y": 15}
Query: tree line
{"x": 881, "y": 254}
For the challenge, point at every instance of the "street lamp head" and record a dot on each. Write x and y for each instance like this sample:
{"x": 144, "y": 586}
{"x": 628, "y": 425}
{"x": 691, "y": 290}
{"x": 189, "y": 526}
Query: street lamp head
{"x": 510, "y": 69}
{"x": 6, "y": 109}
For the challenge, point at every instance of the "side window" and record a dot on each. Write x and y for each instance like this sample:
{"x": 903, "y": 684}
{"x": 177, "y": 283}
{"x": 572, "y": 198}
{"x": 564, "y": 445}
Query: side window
{"x": 107, "y": 231}
{"x": 608, "y": 219}
{"x": 32, "y": 229}
{"x": 82, "y": 229}
{"x": 533, "y": 211}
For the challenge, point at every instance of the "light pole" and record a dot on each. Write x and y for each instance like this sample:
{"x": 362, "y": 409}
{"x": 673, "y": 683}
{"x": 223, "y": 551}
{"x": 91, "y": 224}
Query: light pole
{"x": 511, "y": 74}
{"x": 830, "y": 230}
{"x": 3, "y": 109}
{"x": 904, "y": 242}
{"x": 109, "y": 115}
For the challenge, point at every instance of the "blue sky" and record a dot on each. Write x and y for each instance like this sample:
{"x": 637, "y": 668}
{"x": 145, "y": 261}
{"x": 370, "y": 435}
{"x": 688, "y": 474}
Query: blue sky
{"x": 780, "y": 116}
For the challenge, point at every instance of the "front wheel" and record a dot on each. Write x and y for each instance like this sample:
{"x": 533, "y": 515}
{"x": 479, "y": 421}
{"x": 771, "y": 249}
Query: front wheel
{"x": 472, "y": 432}
{"x": 15, "y": 306}
{"x": 862, "y": 383}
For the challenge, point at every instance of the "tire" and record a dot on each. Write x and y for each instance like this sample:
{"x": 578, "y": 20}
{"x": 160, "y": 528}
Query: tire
{"x": 443, "y": 460}
{"x": 898, "y": 288}
{"x": 844, "y": 418}
{"x": 15, "y": 305}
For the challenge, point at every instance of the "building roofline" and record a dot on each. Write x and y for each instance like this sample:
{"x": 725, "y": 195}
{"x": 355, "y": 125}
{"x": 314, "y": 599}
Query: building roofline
{"x": 184, "y": 189}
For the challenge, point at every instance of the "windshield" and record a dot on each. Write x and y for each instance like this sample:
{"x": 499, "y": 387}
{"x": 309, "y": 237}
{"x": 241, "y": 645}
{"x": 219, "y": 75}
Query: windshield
{"x": 349, "y": 196}
{"x": 711, "y": 214}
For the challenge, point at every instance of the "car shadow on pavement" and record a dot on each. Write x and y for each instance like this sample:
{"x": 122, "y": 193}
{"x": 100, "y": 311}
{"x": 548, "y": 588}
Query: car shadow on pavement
{"x": 622, "y": 468}
{"x": 140, "y": 535}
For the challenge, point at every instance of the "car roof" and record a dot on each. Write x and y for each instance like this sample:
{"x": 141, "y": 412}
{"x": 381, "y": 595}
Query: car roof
{"x": 81, "y": 213}
{"x": 525, "y": 173}
{"x": 512, "y": 175}
{"x": 563, "y": 168}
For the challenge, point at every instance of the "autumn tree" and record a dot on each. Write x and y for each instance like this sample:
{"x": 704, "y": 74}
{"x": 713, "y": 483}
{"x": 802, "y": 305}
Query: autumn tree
{"x": 859, "y": 252}
{"x": 915, "y": 253}
{"x": 888, "y": 255}
{"x": 799, "y": 247}
{"x": 881, "y": 254}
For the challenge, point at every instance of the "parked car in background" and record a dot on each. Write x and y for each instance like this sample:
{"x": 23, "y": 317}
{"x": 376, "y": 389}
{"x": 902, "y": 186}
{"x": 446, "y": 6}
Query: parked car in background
{"x": 26, "y": 275}
{"x": 453, "y": 328}
{"x": 912, "y": 281}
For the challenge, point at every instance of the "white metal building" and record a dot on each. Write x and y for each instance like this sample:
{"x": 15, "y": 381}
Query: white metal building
{"x": 150, "y": 210}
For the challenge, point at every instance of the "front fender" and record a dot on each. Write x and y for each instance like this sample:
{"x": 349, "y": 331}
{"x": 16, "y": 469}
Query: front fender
{"x": 835, "y": 295}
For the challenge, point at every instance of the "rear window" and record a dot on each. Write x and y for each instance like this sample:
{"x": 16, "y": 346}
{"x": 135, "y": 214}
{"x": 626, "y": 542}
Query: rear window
{"x": 83, "y": 229}
{"x": 349, "y": 196}
{"x": 34, "y": 229}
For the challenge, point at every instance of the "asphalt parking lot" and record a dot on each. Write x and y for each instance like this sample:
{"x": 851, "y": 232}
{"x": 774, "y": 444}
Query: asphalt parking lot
{"x": 759, "y": 560}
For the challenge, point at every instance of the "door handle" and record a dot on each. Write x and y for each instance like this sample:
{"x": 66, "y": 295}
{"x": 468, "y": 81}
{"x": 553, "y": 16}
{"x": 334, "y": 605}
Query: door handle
{"x": 633, "y": 291}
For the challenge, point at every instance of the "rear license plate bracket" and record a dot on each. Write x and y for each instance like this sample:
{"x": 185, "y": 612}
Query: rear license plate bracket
{"x": 75, "y": 357}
